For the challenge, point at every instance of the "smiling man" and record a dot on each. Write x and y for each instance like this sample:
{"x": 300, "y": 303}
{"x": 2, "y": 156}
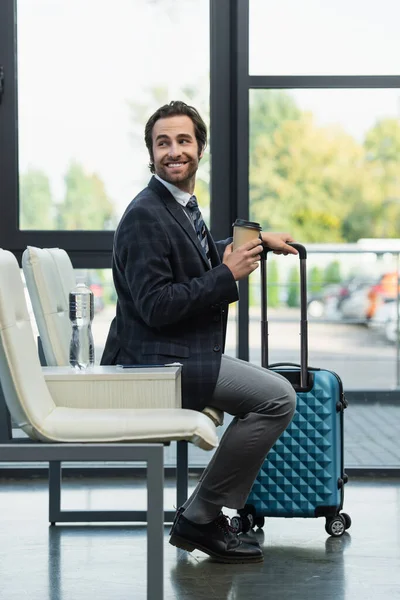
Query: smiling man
{"x": 175, "y": 138}
{"x": 174, "y": 284}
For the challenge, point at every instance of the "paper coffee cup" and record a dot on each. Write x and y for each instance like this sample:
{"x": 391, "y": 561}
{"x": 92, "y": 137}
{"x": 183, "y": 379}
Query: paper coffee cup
{"x": 244, "y": 231}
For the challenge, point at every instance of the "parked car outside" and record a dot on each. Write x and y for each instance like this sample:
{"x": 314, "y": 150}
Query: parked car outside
{"x": 364, "y": 296}
{"x": 325, "y": 302}
{"x": 353, "y": 303}
{"x": 385, "y": 289}
{"x": 386, "y": 319}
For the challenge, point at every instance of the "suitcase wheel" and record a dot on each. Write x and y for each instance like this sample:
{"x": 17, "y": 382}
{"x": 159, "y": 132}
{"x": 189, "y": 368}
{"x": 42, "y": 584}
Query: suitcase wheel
{"x": 247, "y": 519}
{"x": 335, "y": 526}
{"x": 236, "y": 524}
{"x": 242, "y": 523}
{"x": 347, "y": 520}
{"x": 259, "y": 522}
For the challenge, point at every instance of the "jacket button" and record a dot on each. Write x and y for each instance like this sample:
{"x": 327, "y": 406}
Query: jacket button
{"x": 216, "y": 318}
{"x": 217, "y": 348}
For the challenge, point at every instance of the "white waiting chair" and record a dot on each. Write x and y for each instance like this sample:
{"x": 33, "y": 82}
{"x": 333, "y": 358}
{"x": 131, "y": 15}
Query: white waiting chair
{"x": 49, "y": 277}
{"x": 62, "y": 433}
{"x": 33, "y": 409}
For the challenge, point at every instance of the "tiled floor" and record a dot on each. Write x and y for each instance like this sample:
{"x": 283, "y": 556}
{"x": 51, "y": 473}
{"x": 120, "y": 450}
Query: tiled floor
{"x": 98, "y": 562}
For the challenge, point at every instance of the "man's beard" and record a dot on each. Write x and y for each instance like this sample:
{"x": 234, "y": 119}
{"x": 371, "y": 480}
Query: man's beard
{"x": 190, "y": 172}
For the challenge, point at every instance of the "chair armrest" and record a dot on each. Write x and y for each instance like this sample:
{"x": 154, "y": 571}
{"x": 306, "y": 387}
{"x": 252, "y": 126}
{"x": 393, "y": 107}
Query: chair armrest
{"x": 112, "y": 387}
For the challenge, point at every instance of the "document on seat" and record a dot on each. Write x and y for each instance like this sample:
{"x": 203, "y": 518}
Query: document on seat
{"x": 174, "y": 364}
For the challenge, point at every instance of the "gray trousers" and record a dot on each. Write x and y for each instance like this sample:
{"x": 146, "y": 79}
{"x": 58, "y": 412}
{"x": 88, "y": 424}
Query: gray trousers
{"x": 263, "y": 404}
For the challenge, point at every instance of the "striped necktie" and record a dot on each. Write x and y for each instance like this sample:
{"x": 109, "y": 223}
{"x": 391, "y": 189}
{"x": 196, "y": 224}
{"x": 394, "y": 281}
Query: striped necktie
{"x": 199, "y": 225}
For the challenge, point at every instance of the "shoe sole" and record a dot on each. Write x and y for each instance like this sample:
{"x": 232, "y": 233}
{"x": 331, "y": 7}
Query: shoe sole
{"x": 183, "y": 544}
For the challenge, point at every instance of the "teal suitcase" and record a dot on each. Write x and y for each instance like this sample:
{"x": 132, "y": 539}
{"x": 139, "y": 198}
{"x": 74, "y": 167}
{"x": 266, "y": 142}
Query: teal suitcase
{"x": 303, "y": 474}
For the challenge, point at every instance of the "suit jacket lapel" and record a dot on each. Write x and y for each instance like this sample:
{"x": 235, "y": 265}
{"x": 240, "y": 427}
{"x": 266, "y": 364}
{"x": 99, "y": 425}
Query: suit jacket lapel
{"x": 179, "y": 214}
{"x": 214, "y": 256}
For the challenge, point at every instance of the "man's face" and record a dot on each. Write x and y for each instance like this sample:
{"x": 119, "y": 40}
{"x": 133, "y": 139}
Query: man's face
{"x": 175, "y": 151}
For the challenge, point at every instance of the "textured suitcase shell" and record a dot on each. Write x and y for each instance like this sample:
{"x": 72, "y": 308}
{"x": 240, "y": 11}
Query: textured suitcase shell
{"x": 303, "y": 473}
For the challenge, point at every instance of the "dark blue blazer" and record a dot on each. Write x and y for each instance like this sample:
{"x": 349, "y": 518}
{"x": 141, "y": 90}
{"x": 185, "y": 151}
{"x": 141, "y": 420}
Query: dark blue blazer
{"x": 172, "y": 306}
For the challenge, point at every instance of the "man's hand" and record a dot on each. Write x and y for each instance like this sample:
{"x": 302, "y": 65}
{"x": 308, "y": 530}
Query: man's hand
{"x": 277, "y": 242}
{"x": 244, "y": 260}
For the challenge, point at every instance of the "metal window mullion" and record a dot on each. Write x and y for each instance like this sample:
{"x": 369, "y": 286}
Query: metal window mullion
{"x": 323, "y": 81}
{"x": 240, "y": 157}
{"x": 222, "y": 128}
{"x": 8, "y": 125}
{"x": 229, "y": 116}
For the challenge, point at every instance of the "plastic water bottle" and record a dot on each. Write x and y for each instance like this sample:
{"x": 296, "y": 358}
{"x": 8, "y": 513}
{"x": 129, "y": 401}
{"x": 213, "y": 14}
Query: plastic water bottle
{"x": 81, "y": 312}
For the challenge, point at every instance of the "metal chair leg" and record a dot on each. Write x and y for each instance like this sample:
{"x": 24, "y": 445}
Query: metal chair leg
{"x": 56, "y": 515}
{"x": 182, "y": 475}
{"x": 5, "y": 420}
{"x": 54, "y": 491}
{"x": 155, "y": 525}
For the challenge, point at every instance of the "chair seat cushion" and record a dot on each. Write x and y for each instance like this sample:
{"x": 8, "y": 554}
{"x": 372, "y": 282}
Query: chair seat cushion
{"x": 129, "y": 425}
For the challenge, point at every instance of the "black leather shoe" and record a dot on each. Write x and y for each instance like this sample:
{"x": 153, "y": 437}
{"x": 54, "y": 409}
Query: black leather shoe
{"x": 178, "y": 514}
{"x": 247, "y": 538}
{"x": 217, "y": 539}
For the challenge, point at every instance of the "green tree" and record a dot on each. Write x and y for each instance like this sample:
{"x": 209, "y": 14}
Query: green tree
{"x": 382, "y": 144}
{"x": 86, "y": 205}
{"x": 315, "y": 280}
{"x": 332, "y": 272}
{"x": 306, "y": 179}
{"x": 382, "y": 156}
{"x": 293, "y": 298}
{"x": 273, "y": 284}
{"x": 36, "y": 203}
{"x": 268, "y": 111}
{"x": 360, "y": 222}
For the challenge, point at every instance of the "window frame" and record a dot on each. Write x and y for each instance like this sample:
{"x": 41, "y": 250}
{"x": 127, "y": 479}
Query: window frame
{"x": 229, "y": 116}
{"x": 230, "y": 84}
{"x": 91, "y": 249}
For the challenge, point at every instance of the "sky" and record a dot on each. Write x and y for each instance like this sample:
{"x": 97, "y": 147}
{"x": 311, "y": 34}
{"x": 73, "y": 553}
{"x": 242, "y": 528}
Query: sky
{"x": 320, "y": 37}
{"x": 81, "y": 62}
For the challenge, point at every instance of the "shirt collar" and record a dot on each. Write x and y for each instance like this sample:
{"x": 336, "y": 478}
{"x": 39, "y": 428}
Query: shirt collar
{"x": 180, "y": 196}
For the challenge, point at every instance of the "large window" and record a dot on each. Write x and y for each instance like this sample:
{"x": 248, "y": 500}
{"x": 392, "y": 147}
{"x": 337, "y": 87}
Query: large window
{"x": 304, "y": 112}
{"x": 324, "y": 164}
{"x": 89, "y": 75}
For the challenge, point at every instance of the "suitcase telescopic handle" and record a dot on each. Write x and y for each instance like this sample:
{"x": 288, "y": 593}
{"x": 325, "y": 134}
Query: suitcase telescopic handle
{"x": 303, "y": 312}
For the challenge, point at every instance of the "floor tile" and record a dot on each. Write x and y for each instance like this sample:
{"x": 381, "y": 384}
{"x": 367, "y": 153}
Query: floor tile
{"x": 108, "y": 562}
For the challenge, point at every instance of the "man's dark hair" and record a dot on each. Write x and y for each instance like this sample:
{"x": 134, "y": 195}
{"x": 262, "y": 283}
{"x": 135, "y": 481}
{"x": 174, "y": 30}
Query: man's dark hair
{"x": 173, "y": 109}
